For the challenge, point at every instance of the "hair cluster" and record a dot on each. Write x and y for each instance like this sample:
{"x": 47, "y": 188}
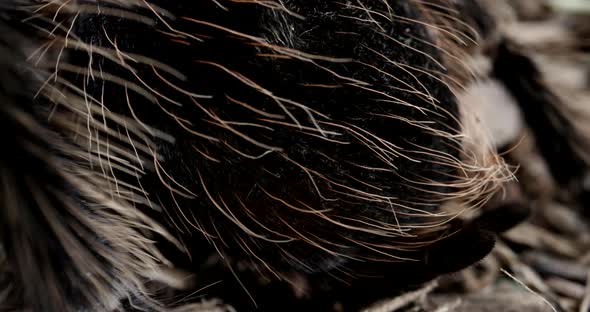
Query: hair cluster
{"x": 297, "y": 141}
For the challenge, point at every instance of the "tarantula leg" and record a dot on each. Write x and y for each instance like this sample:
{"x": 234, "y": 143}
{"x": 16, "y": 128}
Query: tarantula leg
{"x": 476, "y": 239}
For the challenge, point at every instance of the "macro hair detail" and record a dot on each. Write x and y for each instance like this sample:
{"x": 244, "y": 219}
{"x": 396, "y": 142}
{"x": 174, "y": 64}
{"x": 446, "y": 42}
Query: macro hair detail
{"x": 156, "y": 147}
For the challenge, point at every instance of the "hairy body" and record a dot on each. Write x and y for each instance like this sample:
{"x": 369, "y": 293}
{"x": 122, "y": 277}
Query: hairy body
{"x": 296, "y": 148}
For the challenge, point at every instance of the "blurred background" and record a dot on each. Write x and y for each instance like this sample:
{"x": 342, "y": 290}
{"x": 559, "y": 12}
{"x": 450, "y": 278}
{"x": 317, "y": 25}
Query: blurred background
{"x": 533, "y": 96}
